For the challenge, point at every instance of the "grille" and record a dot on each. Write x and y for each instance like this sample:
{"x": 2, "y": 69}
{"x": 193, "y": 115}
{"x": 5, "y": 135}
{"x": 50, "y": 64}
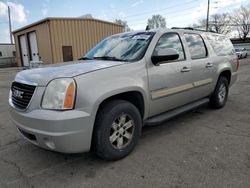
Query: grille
{"x": 21, "y": 94}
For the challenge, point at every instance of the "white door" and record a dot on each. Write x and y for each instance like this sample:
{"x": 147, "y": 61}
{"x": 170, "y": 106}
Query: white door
{"x": 23, "y": 50}
{"x": 33, "y": 47}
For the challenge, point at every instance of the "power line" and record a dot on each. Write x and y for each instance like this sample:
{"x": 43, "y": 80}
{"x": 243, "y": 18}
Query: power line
{"x": 153, "y": 11}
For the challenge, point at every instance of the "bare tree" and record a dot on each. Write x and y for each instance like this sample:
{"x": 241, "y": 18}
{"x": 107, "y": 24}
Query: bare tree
{"x": 123, "y": 23}
{"x": 157, "y": 21}
{"x": 241, "y": 20}
{"x": 218, "y": 23}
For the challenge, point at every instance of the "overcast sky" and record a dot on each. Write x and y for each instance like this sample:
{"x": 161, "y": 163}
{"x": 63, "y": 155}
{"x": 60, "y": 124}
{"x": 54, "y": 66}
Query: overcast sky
{"x": 177, "y": 12}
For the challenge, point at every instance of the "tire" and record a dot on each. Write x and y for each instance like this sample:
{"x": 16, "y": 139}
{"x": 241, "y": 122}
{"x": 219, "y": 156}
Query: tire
{"x": 110, "y": 117}
{"x": 219, "y": 97}
{"x": 246, "y": 56}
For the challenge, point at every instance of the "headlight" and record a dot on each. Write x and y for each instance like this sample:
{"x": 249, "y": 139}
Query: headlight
{"x": 60, "y": 94}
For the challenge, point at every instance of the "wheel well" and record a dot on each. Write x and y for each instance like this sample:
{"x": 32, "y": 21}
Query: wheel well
{"x": 133, "y": 97}
{"x": 226, "y": 74}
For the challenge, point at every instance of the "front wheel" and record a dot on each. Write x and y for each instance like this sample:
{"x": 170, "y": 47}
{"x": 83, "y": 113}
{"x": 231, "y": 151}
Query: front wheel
{"x": 220, "y": 94}
{"x": 117, "y": 130}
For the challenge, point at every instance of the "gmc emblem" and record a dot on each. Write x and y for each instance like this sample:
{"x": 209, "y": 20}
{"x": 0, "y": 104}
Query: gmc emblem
{"x": 17, "y": 94}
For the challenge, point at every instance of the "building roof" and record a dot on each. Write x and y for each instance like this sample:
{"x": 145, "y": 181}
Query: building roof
{"x": 62, "y": 18}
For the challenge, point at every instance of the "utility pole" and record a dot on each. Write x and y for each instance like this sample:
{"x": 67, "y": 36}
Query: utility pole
{"x": 11, "y": 41}
{"x": 208, "y": 4}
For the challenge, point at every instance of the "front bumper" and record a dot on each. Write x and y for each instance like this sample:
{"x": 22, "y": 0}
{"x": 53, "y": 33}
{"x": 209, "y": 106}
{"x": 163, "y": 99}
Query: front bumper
{"x": 63, "y": 131}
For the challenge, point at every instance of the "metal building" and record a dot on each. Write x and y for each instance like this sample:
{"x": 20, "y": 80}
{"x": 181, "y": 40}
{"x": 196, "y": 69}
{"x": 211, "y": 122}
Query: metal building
{"x": 7, "y": 55}
{"x": 55, "y": 40}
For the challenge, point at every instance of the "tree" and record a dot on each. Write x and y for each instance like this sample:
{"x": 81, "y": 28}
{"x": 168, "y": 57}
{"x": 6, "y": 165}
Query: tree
{"x": 218, "y": 23}
{"x": 86, "y": 16}
{"x": 157, "y": 21}
{"x": 123, "y": 23}
{"x": 241, "y": 20}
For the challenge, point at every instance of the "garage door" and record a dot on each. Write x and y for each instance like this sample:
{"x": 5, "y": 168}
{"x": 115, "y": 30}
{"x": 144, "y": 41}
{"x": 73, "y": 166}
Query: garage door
{"x": 23, "y": 50}
{"x": 33, "y": 46}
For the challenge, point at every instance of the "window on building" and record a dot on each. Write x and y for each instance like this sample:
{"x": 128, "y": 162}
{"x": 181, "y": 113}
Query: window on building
{"x": 196, "y": 46}
{"x": 1, "y": 54}
{"x": 14, "y": 53}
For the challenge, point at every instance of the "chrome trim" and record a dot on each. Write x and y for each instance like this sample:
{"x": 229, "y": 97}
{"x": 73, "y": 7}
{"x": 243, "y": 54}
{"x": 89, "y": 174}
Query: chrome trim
{"x": 26, "y": 82}
{"x": 10, "y": 98}
{"x": 202, "y": 82}
{"x": 170, "y": 91}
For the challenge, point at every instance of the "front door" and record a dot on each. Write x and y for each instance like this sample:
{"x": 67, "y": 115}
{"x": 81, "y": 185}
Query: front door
{"x": 23, "y": 51}
{"x": 169, "y": 83}
{"x": 67, "y": 53}
{"x": 33, "y": 46}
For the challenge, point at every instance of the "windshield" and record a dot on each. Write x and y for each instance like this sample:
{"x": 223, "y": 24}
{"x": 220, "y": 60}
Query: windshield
{"x": 237, "y": 50}
{"x": 124, "y": 47}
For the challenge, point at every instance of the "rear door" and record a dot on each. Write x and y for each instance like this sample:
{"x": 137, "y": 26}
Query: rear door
{"x": 169, "y": 82}
{"x": 202, "y": 66}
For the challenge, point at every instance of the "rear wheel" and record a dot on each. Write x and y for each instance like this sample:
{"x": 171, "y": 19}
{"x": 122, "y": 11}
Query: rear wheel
{"x": 246, "y": 56}
{"x": 220, "y": 94}
{"x": 117, "y": 130}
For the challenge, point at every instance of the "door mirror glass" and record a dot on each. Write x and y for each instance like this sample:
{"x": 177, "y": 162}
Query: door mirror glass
{"x": 162, "y": 55}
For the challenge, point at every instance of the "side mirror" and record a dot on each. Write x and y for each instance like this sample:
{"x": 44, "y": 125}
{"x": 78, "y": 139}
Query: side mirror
{"x": 162, "y": 55}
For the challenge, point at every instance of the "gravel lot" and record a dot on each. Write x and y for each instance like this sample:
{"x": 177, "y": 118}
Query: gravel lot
{"x": 204, "y": 148}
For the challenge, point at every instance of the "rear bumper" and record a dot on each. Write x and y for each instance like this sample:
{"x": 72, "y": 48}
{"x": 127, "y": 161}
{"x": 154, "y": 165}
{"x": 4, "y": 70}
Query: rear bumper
{"x": 62, "y": 131}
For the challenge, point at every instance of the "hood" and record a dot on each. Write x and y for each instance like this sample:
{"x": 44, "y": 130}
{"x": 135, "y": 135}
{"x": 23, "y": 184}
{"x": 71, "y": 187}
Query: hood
{"x": 43, "y": 75}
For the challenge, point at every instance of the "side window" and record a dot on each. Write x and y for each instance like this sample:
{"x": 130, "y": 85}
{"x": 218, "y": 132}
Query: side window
{"x": 196, "y": 46}
{"x": 171, "y": 40}
{"x": 221, "y": 45}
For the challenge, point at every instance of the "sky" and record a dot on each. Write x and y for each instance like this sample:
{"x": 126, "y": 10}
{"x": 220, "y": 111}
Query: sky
{"x": 178, "y": 13}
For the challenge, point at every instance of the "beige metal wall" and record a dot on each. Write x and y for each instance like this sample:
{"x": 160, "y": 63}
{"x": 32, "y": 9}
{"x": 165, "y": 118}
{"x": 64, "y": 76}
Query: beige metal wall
{"x": 43, "y": 42}
{"x": 81, "y": 34}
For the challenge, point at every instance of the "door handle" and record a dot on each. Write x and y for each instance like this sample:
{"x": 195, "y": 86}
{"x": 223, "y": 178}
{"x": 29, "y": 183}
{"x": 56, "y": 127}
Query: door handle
{"x": 185, "y": 69}
{"x": 209, "y": 65}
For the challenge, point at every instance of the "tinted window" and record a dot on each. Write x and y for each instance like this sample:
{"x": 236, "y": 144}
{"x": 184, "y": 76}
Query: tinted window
{"x": 171, "y": 40}
{"x": 196, "y": 46}
{"x": 221, "y": 45}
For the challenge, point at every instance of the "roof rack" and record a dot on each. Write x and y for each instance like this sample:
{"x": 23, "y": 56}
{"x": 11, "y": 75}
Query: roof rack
{"x": 194, "y": 29}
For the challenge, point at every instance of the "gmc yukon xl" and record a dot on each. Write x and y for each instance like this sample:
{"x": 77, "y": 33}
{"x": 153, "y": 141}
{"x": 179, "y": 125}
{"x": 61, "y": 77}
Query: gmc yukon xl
{"x": 102, "y": 101}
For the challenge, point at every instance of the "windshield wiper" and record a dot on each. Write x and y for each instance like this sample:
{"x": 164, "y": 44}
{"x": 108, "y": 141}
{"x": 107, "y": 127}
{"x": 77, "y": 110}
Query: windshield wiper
{"x": 108, "y": 58}
{"x": 84, "y": 58}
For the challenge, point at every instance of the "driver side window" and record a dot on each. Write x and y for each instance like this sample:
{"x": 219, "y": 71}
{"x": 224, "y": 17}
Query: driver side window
{"x": 171, "y": 40}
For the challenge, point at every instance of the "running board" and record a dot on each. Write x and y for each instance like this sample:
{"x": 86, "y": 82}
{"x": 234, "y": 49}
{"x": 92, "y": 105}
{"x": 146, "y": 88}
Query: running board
{"x": 158, "y": 119}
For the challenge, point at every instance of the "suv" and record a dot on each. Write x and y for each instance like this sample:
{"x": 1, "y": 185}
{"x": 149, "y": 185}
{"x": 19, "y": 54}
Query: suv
{"x": 128, "y": 80}
{"x": 241, "y": 53}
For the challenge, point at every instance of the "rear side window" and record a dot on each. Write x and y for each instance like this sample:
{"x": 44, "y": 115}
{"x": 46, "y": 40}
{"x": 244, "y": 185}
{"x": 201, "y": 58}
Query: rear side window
{"x": 221, "y": 45}
{"x": 171, "y": 40}
{"x": 196, "y": 46}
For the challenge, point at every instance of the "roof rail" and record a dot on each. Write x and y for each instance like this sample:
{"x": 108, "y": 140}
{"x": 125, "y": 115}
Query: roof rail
{"x": 194, "y": 29}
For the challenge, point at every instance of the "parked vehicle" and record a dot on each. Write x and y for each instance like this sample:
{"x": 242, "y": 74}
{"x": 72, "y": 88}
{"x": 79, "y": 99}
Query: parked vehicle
{"x": 241, "y": 53}
{"x": 128, "y": 80}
